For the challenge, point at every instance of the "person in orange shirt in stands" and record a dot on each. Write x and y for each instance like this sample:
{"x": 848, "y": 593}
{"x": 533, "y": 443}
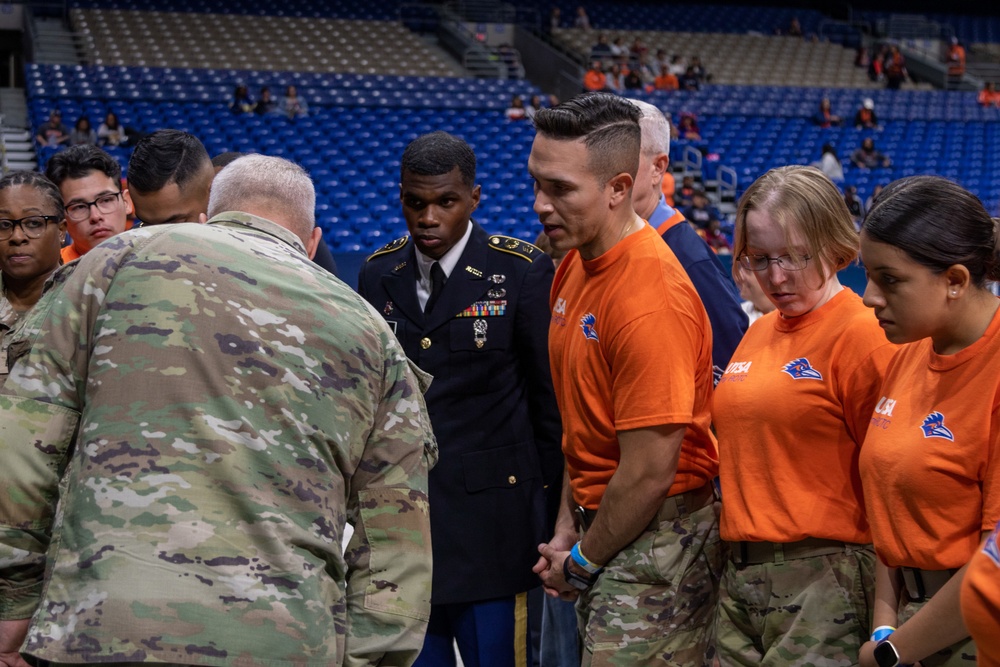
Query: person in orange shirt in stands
{"x": 930, "y": 463}
{"x": 96, "y": 204}
{"x": 666, "y": 80}
{"x": 989, "y": 96}
{"x": 955, "y": 59}
{"x": 981, "y": 601}
{"x": 595, "y": 79}
{"x": 791, "y": 412}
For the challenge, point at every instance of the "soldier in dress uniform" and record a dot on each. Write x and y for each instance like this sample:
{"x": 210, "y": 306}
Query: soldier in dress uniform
{"x": 471, "y": 309}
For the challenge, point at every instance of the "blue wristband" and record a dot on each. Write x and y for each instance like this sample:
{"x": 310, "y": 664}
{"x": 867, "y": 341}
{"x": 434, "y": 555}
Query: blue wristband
{"x": 583, "y": 561}
{"x": 881, "y": 632}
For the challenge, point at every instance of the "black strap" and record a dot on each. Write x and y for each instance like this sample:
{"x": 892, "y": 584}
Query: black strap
{"x": 437, "y": 284}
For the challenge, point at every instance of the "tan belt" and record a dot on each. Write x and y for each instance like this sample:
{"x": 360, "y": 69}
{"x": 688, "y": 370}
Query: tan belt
{"x": 922, "y": 585}
{"x": 672, "y": 508}
{"x": 758, "y": 553}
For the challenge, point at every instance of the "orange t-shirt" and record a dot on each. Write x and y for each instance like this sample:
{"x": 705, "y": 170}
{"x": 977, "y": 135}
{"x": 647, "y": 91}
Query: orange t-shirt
{"x": 594, "y": 80}
{"x": 981, "y": 601}
{"x": 791, "y": 412}
{"x": 69, "y": 253}
{"x": 930, "y": 462}
{"x": 666, "y": 82}
{"x": 631, "y": 347}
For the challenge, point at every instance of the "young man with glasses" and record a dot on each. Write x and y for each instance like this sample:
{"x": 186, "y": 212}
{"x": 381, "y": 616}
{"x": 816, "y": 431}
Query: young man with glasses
{"x": 96, "y": 204}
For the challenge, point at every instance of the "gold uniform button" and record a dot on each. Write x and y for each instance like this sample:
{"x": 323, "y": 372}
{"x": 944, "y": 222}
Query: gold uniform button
{"x": 512, "y": 480}
{"x": 425, "y": 343}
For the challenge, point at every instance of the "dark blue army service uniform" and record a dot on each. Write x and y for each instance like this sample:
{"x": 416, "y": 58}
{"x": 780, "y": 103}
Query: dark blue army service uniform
{"x": 491, "y": 405}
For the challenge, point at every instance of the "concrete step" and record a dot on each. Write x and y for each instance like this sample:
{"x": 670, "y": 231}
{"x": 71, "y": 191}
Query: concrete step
{"x": 21, "y": 166}
{"x": 19, "y": 146}
{"x": 20, "y": 156}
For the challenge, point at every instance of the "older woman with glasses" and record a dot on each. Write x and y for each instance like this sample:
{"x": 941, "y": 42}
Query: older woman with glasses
{"x": 791, "y": 412}
{"x": 32, "y": 229}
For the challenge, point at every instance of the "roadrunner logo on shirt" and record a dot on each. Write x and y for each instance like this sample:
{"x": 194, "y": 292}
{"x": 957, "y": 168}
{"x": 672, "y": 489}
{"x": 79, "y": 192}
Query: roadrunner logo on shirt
{"x": 801, "y": 369}
{"x": 933, "y": 427}
{"x": 587, "y": 323}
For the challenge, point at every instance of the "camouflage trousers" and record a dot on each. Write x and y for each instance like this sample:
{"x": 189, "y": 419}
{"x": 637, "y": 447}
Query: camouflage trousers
{"x": 812, "y": 612}
{"x": 959, "y": 654}
{"x": 654, "y": 603}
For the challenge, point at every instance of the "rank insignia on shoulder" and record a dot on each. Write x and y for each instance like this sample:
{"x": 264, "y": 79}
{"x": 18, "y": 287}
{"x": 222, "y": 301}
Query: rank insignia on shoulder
{"x": 490, "y": 308}
{"x": 514, "y": 246}
{"x": 392, "y": 246}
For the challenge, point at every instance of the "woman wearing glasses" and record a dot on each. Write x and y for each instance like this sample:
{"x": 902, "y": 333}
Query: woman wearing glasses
{"x": 32, "y": 228}
{"x": 931, "y": 472}
{"x": 791, "y": 412}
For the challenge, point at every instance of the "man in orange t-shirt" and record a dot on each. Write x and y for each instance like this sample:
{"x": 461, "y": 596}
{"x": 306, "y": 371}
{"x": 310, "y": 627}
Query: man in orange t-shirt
{"x": 595, "y": 78}
{"x": 666, "y": 80}
{"x": 640, "y": 455}
{"x": 96, "y": 204}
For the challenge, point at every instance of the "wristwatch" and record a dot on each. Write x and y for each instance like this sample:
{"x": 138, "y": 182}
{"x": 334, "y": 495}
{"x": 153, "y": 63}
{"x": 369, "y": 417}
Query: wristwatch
{"x": 886, "y": 654}
{"x": 575, "y": 580}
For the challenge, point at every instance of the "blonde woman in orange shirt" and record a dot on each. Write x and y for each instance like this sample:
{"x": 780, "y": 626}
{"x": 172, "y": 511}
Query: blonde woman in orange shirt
{"x": 930, "y": 463}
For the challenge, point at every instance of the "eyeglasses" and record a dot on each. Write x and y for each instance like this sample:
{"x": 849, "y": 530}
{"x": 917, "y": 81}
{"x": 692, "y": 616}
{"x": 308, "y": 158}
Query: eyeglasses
{"x": 33, "y": 226}
{"x": 80, "y": 211}
{"x": 785, "y": 262}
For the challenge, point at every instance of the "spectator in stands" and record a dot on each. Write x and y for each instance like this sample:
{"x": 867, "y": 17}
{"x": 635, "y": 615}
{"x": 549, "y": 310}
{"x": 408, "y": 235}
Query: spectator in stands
{"x": 829, "y": 164}
{"x": 32, "y": 229}
{"x": 169, "y": 177}
{"x": 595, "y": 79}
{"x": 666, "y": 80}
{"x": 876, "y": 68}
{"x": 824, "y": 117}
{"x": 876, "y": 191}
{"x": 701, "y": 212}
{"x": 688, "y": 127}
{"x": 895, "y": 68}
{"x": 111, "y": 133}
{"x": 52, "y": 132}
{"x": 96, "y": 203}
{"x": 699, "y": 70}
{"x": 955, "y": 59}
{"x": 241, "y": 102}
{"x": 661, "y": 59}
{"x": 690, "y": 80}
{"x": 618, "y": 47}
{"x": 637, "y": 50}
{"x": 989, "y": 96}
{"x": 685, "y": 195}
{"x": 633, "y": 80}
{"x": 794, "y": 27}
{"x": 82, "y": 133}
{"x": 533, "y": 106}
{"x": 861, "y": 57}
{"x": 867, "y": 157}
{"x": 716, "y": 240}
{"x": 516, "y": 110}
{"x": 266, "y": 105}
{"x": 677, "y": 65}
{"x": 555, "y": 19}
{"x": 615, "y": 81}
{"x": 601, "y": 50}
{"x": 511, "y": 57}
{"x": 854, "y": 205}
{"x": 865, "y": 118}
{"x": 646, "y": 72}
{"x": 582, "y": 21}
{"x": 292, "y": 105}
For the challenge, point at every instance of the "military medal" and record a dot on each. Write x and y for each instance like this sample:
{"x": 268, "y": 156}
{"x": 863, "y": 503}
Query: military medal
{"x": 388, "y": 308}
{"x": 479, "y": 327}
{"x": 497, "y": 293}
{"x": 497, "y": 278}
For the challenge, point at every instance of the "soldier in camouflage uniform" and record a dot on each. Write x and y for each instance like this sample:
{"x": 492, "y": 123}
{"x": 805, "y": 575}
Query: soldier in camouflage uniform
{"x": 630, "y": 345}
{"x": 220, "y": 407}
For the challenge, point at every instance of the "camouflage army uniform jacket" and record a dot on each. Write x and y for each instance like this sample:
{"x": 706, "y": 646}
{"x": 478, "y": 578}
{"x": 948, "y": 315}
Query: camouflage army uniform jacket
{"x": 7, "y": 320}
{"x": 216, "y": 407}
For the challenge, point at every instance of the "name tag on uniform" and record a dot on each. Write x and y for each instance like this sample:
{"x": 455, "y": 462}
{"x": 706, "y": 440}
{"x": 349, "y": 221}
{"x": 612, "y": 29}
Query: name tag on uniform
{"x": 490, "y": 308}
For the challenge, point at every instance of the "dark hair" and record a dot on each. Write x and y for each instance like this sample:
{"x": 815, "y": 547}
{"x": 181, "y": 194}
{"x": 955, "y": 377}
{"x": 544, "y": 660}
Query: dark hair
{"x": 165, "y": 156}
{"x": 82, "y": 119}
{"x": 828, "y": 148}
{"x": 79, "y": 161}
{"x": 224, "y": 159}
{"x": 938, "y": 224}
{"x": 35, "y": 180}
{"x": 609, "y": 126}
{"x": 438, "y": 153}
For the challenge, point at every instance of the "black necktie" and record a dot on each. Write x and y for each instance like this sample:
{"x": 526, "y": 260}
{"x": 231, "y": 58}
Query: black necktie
{"x": 437, "y": 284}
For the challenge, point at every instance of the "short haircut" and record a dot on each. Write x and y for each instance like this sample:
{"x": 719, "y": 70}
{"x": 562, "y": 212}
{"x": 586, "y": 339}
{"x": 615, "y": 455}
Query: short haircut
{"x": 79, "y": 161}
{"x": 655, "y": 129}
{"x": 163, "y": 157}
{"x": 225, "y": 159}
{"x": 268, "y": 183}
{"x": 804, "y": 197}
{"x": 609, "y": 126}
{"x": 33, "y": 179}
{"x": 938, "y": 224}
{"x": 438, "y": 153}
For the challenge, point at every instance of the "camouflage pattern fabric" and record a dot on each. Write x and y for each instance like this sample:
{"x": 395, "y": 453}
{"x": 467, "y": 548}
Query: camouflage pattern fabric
{"x": 8, "y": 318}
{"x": 216, "y": 407}
{"x": 654, "y": 603}
{"x": 812, "y": 612}
{"x": 960, "y": 654}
